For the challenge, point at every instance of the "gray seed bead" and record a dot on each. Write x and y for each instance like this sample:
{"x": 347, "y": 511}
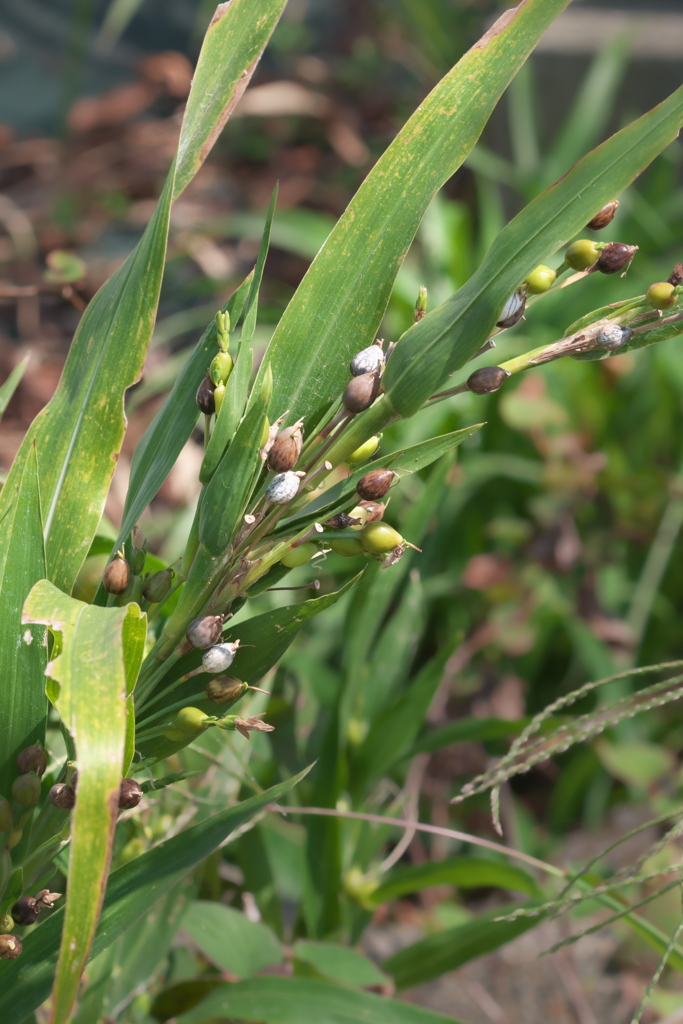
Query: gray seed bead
{"x": 513, "y": 310}
{"x": 613, "y": 336}
{"x": 218, "y": 658}
{"x": 367, "y": 360}
{"x": 282, "y": 488}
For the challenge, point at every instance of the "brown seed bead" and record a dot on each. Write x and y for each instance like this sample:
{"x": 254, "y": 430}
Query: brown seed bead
{"x": 286, "y": 450}
{"x": 487, "y": 379}
{"x": 204, "y": 631}
{"x": 130, "y": 794}
{"x": 116, "y": 576}
{"x": 224, "y": 689}
{"x": 10, "y": 947}
{"x": 204, "y": 397}
{"x": 25, "y": 911}
{"x": 32, "y": 759}
{"x": 361, "y": 392}
{"x": 62, "y": 796}
{"x": 676, "y": 275}
{"x": 603, "y": 217}
{"x": 375, "y": 484}
{"x": 615, "y": 257}
{"x": 375, "y": 510}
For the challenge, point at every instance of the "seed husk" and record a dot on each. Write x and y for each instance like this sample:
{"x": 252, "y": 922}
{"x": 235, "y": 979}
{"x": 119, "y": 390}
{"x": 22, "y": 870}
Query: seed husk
{"x": 205, "y": 397}
{"x": 10, "y": 947}
{"x": 375, "y": 484}
{"x": 341, "y": 521}
{"x": 25, "y": 911}
{"x": 367, "y": 360}
{"x": 225, "y": 689}
{"x": 374, "y": 510}
{"x": 62, "y": 796}
{"x": 220, "y": 657}
{"x": 604, "y": 216}
{"x": 116, "y": 576}
{"x": 615, "y": 257}
{"x": 613, "y": 336}
{"x": 361, "y": 392}
{"x": 130, "y": 794}
{"x": 283, "y": 488}
{"x": 487, "y": 379}
{"x": 32, "y": 759}
{"x": 513, "y": 310}
{"x": 676, "y": 275}
{"x": 286, "y": 449}
{"x": 204, "y": 631}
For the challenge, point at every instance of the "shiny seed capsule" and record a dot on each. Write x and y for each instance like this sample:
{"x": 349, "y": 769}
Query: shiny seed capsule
{"x": 361, "y": 392}
{"x": 582, "y": 254}
{"x": 157, "y": 586}
{"x": 204, "y": 631}
{"x": 191, "y": 721}
{"x": 26, "y": 789}
{"x": 347, "y": 547}
{"x": 299, "y": 555}
{"x": 615, "y": 257}
{"x": 130, "y": 794}
{"x": 220, "y": 657}
{"x": 32, "y": 759}
{"x": 363, "y": 452}
{"x": 613, "y": 336}
{"x": 660, "y": 295}
{"x": 116, "y": 576}
{"x": 487, "y": 379}
{"x": 513, "y": 310}
{"x": 378, "y": 538}
{"x": 604, "y": 216}
{"x": 367, "y": 360}
{"x": 225, "y": 689}
{"x": 540, "y": 279}
{"x": 375, "y": 484}
{"x": 283, "y": 488}
{"x": 10, "y": 947}
{"x": 204, "y": 397}
{"x": 286, "y": 450}
{"x": 62, "y": 796}
{"x": 25, "y": 911}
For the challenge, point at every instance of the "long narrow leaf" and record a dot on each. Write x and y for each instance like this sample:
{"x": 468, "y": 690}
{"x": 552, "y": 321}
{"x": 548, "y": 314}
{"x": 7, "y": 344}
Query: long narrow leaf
{"x": 132, "y": 890}
{"x": 89, "y": 687}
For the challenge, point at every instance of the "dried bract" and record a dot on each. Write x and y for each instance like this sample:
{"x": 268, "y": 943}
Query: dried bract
{"x": 604, "y": 216}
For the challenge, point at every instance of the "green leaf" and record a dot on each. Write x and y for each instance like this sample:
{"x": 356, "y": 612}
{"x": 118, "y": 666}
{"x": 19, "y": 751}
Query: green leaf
{"x": 132, "y": 890}
{"x": 340, "y": 303}
{"x": 9, "y": 386}
{"x": 446, "y": 338}
{"x": 304, "y": 1001}
{"x": 464, "y": 872}
{"x": 168, "y": 432}
{"x": 23, "y": 655}
{"x": 228, "y": 939}
{"x": 634, "y": 762}
{"x": 91, "y": 677}
{"x": 340, "y": 964}
{"x": 230, "y": 52}
{"x": 449, "y": 949}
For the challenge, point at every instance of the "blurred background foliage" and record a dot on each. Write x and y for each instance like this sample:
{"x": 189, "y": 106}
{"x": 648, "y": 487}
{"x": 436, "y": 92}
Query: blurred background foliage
{"x": 551, "y": 547}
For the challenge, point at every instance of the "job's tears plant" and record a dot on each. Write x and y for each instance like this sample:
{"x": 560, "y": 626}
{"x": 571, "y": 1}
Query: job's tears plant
{"x": 153, "y": 662}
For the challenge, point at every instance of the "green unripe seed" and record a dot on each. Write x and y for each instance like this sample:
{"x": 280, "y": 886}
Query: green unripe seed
{"x": 26, "y": 789}
{"x": 221, "y": 368}
{"x": 191, "y": 721}
{"x": 174, "y": 735}
{"x": 379, "y": 538}
{"x": 364, "y": 452}
{"x": 540, "y": 279}
{"x": 582, "y": 254}
{"x": 347, "y": 547}
{"x": 6, "y": 924}
{"x": 359, "y": 513}
{"x": 661, "y": 295}
{"x": 218, "y": 396}
{"x": 299, "y": 555}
